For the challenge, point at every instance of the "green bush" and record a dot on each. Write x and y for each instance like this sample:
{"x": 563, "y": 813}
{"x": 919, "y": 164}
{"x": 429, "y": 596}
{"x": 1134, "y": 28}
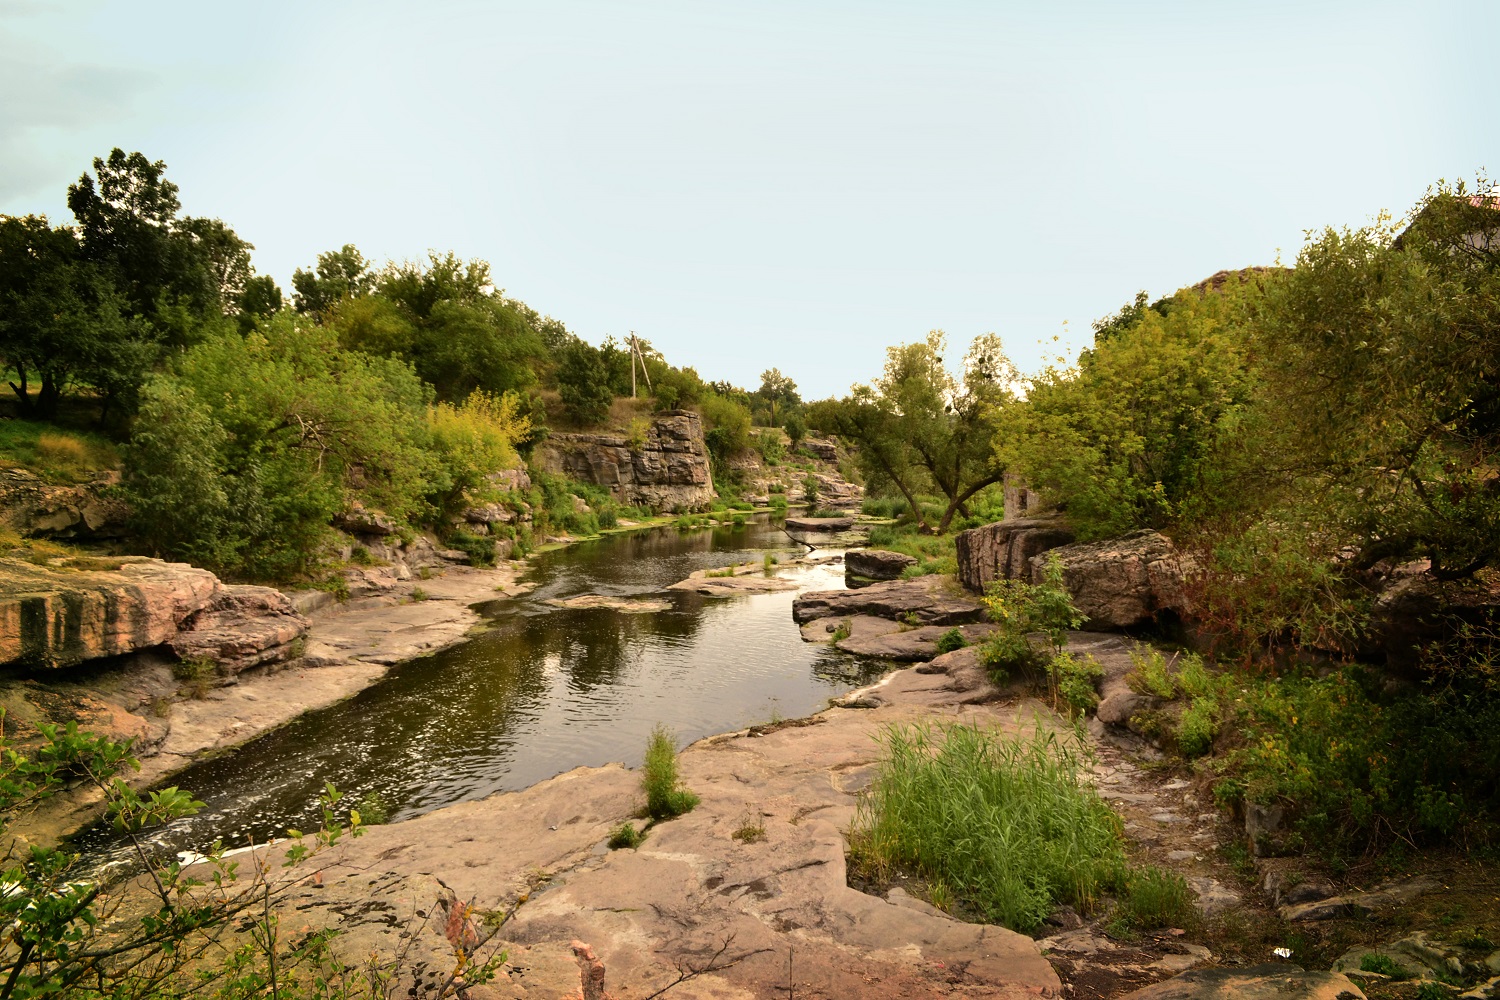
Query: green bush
{"x": 1197, "y": 727}
{"x": 625, "y": 835}
{"x": 1006, "y": 824}
{"x": 665, "y": 796}
{"x": 1076, "y": 680}
{"x": 951, "y": 640}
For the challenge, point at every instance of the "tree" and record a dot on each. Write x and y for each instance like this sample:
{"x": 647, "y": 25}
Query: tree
{"x": 776, "y": 388}
{"x": 583, "y": 383}
{"x": 919, "y": 428}
{"x": 340, "y": 274}
{"x": 129, "y": 227}
{"x": 62, "y": 322}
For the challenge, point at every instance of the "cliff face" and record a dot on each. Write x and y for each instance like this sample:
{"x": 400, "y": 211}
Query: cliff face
{"x": 668, "y": 472}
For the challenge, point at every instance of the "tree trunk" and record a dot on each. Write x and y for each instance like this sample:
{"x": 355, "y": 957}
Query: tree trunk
{"x": 23, "y": 397}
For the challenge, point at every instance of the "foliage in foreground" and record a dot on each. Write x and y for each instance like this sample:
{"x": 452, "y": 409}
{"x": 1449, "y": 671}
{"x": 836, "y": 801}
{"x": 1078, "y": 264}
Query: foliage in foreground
{"x": 1004, "y": 824}
{"x": 171, "y": 931}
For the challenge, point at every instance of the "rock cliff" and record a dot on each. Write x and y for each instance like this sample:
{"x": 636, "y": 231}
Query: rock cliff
{"x": 669, "y": 471}
{"x": 1004, "y": 550}
{"x": 55, "y": 616}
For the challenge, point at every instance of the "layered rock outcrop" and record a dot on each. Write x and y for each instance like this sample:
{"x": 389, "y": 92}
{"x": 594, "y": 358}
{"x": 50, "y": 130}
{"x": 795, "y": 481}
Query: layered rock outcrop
{"x": 876, "y": 564}
{"x": 37, "y": 508}
{"x": 925, "y": 600}
{"x": 668, "y": 471}
{"x": 1119, "y": 583}
{"x": 1004, "y": 550}
{"x": 1122, "y": 582}
{"x": 58, "y": 617}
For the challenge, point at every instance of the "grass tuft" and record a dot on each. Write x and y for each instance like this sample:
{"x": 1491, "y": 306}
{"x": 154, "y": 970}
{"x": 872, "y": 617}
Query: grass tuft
{"x": 1004, "y": 824}
{"x": 665, "y": 796}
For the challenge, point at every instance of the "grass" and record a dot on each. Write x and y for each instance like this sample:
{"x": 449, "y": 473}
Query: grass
{"x": 418, "y": 594}
{"x": 665, "y": 796}
{"x": 1155, "y": 899}
{"x": 751, "y": 830}
{"x": 841, "y": 633}
{"x": 1384, "y": 965}
{"x": 56, "y": 455}
{"x": 1004, "y": 824}
{"x": 625, "y": 835}
{"x": 934, "y": 553}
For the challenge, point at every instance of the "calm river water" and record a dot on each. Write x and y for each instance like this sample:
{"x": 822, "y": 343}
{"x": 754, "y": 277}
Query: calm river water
{"x": 546, "y": 689}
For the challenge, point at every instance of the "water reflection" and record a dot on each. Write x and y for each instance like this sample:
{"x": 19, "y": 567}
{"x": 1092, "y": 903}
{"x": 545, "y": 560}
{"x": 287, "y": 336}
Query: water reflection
{"x": 544, "y": 690}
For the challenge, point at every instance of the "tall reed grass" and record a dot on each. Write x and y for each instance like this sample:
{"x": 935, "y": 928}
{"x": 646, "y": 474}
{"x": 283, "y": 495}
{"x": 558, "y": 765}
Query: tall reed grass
{"x": 1003, "y": 824}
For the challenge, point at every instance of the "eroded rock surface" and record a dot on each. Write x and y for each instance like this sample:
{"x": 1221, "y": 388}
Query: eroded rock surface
{"x": 58, "y": 617}
{"x": 783, "y": 902}
{"x": 877, "y": 564}
{"x": 1258, "y": 982}
{"x": 923, "y": 600}
{"x": 1004, "y": 550}
{"x": 37, "y": 508}
{"x": 670, "y": 470}
{"x": 1121, "y": 582}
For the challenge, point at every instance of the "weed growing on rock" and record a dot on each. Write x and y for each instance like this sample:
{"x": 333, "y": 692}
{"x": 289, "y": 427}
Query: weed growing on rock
{"x": 371, "y": 809}
{"x": 1004, "y": 823}
{"x": 1151, "y": 674}
{"x": 625, "y": 835}
{"x": 842, "y": 632}
{"x": 665, "y": 796}
{"x": 751, "y": 830}
{"x": 1384, "y": 965}
{"x": 418, "y": 594}
{"x": 1075, "y": 680}
{"x": 951, "y": 640}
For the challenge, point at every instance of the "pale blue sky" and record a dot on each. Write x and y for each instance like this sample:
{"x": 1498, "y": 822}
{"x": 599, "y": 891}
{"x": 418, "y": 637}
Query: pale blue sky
{"x": 756, "y": 184}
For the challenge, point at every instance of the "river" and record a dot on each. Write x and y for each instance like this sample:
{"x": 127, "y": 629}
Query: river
{"x": 543, "y": 690}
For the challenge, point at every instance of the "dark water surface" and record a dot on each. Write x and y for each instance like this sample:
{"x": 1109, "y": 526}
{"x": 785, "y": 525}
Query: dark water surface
{"x": 545, "y": 690}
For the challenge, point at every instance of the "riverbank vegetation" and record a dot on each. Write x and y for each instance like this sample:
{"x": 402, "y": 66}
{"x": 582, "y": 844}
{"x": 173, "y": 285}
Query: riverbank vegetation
{"x": 247, "y": 421}
{"x": 1311, "y": 438}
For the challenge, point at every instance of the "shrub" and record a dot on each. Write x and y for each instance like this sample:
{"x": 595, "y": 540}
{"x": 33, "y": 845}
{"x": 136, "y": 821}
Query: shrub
{"x": 1150, "y": 674}
{"x": 810, "y": 491}
{"x": 371, "y": 809}
{"x": 1383, "y": 965}
{"x": 1197, "y": 727}
{"x": 479, "y": 548}
{"x": 1005, "y": 824}
{"x": 951, "y": 640}
{"x": 665, "y": 796}
{"x": 625, "y": 835}
{"x": 1076, "y": 680}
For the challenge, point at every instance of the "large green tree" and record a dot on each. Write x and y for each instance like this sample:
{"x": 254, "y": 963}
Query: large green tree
{"x": 922, "y": 429}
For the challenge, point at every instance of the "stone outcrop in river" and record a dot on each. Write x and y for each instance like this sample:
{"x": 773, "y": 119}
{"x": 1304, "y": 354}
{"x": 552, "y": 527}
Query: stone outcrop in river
{"x": 924, "y": 600}
{"x": 55, "y": 616}
{"x": 669, "y": 471}
{"x": 1004, "y": 550}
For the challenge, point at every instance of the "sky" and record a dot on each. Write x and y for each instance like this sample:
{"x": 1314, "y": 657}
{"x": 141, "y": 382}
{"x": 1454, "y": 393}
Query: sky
{"x": 758, "y": 184}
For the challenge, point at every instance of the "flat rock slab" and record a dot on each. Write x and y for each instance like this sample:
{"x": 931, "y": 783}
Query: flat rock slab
{"x": 1259, "y": 982}
{"x": 779, "y": 902}
{"x": 814, "y": 525}
{"x": 629, "y": 605}
{"x": 925, "y": 600}
{"x": 913, "y": 644}
{"x": 857, "y": 627}
{"x": 731, "y": 586}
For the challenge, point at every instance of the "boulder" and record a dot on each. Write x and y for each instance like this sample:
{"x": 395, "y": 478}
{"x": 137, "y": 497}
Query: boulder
{"x": 360, "y": 520}
{"x": 877, "y": 564}
{"x": 668, "y": 471}
{"x": 1004, "y": 550}
{"x": 242, "y": 627}
{"x": 1416, "y": 609}
{"x": 819, "y": 525}
{"x": 58, "y": 617}
{"x": 37, "y": 508}
{"x": 925, "y": 600}
{"x": 1121, "y": 582}
{"x": 828, "y": 451}
{"x": 1257, "y": 982}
